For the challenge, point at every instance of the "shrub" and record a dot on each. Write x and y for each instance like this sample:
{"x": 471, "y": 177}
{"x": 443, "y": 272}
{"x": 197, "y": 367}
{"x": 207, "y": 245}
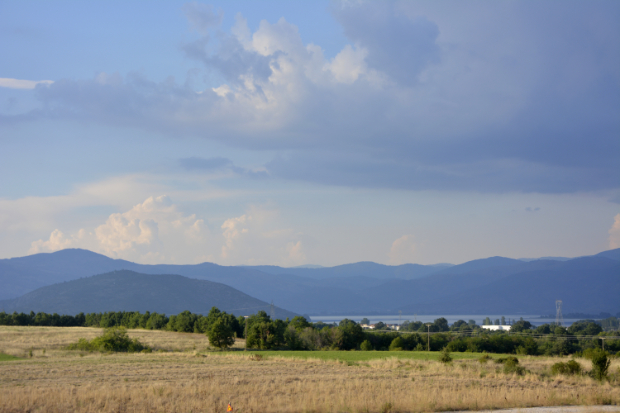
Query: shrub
{"x": 445, "y": 356}
{"x": 397, "y": 344}
{"x": 511, "y": 366}
{"x": 600, "y": 365}
{"x": 568, "y": 369}
{"x": 504, "y": 360}
{"x": 113, "y": 339}
{"x": 484, "y": 358}
{"x": 366, "y": 346}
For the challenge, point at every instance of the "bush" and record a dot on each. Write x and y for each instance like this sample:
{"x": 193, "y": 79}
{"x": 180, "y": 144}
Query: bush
{"x": 600, "y": 365}
{"x": 484, "y": 358}
{"x": 511, "y": 366}
{"x": 568, "y": 369}
{"x": 397, "y": 344}
{"x": 366, "y": 346}
{"x": 509, "y": 359}
{"x": 445, "y": 356}
{"x": 113, "y": 339}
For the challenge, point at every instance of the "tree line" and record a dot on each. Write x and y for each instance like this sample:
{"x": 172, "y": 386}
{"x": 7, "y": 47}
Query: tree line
{"x": 261, "y": 332}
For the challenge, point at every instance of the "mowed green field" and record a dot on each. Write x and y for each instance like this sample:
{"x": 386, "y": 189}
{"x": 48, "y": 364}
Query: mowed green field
{"x": 6, "y": 357}
{"x": 367, "y": 355}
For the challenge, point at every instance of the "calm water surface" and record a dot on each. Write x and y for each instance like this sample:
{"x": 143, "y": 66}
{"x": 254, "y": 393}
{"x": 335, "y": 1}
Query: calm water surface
{"x": 396, "y": 319}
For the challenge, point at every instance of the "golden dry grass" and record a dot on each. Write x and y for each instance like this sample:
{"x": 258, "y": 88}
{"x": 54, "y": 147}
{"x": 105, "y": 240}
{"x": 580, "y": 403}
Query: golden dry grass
{"x": 191, "y": 380}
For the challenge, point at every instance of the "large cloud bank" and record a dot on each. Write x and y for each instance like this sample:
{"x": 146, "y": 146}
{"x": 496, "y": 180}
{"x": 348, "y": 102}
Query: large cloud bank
{"x": 493, "y": 97}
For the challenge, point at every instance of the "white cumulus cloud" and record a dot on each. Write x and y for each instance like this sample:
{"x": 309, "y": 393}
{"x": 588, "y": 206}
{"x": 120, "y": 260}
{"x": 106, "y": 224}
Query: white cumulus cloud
{"x": 154, "y": 231}
{"x": 402, "y": 250}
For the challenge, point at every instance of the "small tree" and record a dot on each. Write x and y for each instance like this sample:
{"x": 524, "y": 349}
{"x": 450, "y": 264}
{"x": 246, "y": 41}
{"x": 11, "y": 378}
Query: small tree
{"x": 366, "y": 346}
{"x": 397, "y": 344}
{"x": 600, "y": 365}
{"x": 445, "y": 356}
{"x": 221, "y": 335}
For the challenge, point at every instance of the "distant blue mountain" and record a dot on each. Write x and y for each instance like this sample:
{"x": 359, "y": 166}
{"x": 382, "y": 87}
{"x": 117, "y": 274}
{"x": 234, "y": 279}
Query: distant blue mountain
{"x": 363, "y": 287}
{"x": 131, "y": 291}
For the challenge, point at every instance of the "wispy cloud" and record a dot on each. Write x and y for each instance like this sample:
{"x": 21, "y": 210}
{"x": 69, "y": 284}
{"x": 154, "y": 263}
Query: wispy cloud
{"x": 22, "y": 84}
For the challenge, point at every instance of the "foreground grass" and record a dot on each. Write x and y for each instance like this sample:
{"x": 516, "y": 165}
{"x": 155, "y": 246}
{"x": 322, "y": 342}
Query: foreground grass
{"x": 357, "y": 356}
{"x": 184, "y": 377}
{"x": 7, "y": 357}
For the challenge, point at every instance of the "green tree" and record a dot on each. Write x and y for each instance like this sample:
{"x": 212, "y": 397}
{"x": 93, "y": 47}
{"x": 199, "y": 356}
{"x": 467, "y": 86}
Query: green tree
{"x": 441, "y": 324}
{"x": 600, "y": 364}
{"x": 520, "y": 326}
{"x": 352, "y": 334}
{"x": 380, "y": 325}
{"x": 445, "y": 356}
{"x": 366, "y": 346}
{"x": 397, "y": 344}
{"x": 365, "y": 321}
{"x": 299, "y": 323}
{"x": 221, "y": 335}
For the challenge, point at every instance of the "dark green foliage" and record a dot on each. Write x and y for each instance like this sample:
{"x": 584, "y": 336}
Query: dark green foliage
{"x": 457, "y": 325}
{"x": 299, "y": 323}
{"x": 365, "y": 321}
{"x": 528, "y": 348}
{"x": 113, "y": 339}
{"x": 264, "y": 333}
{"x": 220, "y": 334}
{"x": 411, "y": 326}
{"x": 569, "y": 368}
{"x": 520, "y": 326}
{"x": 585, "y": 327}
{"x": 600, "y": 365}
{"x": 397, "y": 344}
{"x": 445, "y": 356}
{"x": 543, "y": 329}
{"x": 366, "y": 346}
{"x": 352, "y": 334}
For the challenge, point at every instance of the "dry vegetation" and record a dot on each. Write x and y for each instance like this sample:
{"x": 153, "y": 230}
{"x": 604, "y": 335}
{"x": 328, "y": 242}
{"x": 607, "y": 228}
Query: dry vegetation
{"x": 188, "y": 379}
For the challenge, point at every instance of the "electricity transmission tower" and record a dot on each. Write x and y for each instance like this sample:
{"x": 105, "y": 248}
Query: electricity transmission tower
{"x": 559, "y": 320}
{"x": 272, "y": 312}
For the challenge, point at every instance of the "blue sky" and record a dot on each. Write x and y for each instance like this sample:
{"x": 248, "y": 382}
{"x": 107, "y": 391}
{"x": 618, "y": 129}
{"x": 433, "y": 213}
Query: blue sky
{"x": 292, "y": 133}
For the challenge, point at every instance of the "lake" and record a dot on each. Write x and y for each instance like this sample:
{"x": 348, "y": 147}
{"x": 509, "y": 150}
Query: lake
{"x": 396, "y": 319}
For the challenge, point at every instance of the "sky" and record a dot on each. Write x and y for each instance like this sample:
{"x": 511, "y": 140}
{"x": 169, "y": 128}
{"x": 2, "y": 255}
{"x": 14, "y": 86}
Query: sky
{"x": 323, "y": 132}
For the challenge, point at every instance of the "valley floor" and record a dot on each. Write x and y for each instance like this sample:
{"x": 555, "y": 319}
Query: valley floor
{"x": 184, "y": 377}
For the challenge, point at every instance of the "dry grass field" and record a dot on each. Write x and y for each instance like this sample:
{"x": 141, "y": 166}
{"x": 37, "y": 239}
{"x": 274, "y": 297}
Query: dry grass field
{"x": 184, "y": 377}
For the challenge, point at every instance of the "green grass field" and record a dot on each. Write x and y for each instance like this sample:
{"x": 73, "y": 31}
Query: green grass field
{"x": 6, "y": 357}
{"x": 368, "y": 355}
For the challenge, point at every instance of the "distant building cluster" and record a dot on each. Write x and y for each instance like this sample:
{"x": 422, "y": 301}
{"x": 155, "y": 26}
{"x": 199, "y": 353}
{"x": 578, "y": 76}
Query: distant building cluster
{"x": 496, "y": 328}
{"x": 385, "y": 326}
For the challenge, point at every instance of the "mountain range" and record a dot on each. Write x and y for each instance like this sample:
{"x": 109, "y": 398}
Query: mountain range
{"x": 493, "y": 285}
{"x": 131, "y": 291}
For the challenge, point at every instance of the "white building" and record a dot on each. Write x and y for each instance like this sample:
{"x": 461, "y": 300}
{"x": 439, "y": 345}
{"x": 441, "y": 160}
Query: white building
{"x": 496, "y": 328}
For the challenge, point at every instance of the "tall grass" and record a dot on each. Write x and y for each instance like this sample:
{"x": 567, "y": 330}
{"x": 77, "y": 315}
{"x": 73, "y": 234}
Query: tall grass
{"x": 193, "y": 380}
